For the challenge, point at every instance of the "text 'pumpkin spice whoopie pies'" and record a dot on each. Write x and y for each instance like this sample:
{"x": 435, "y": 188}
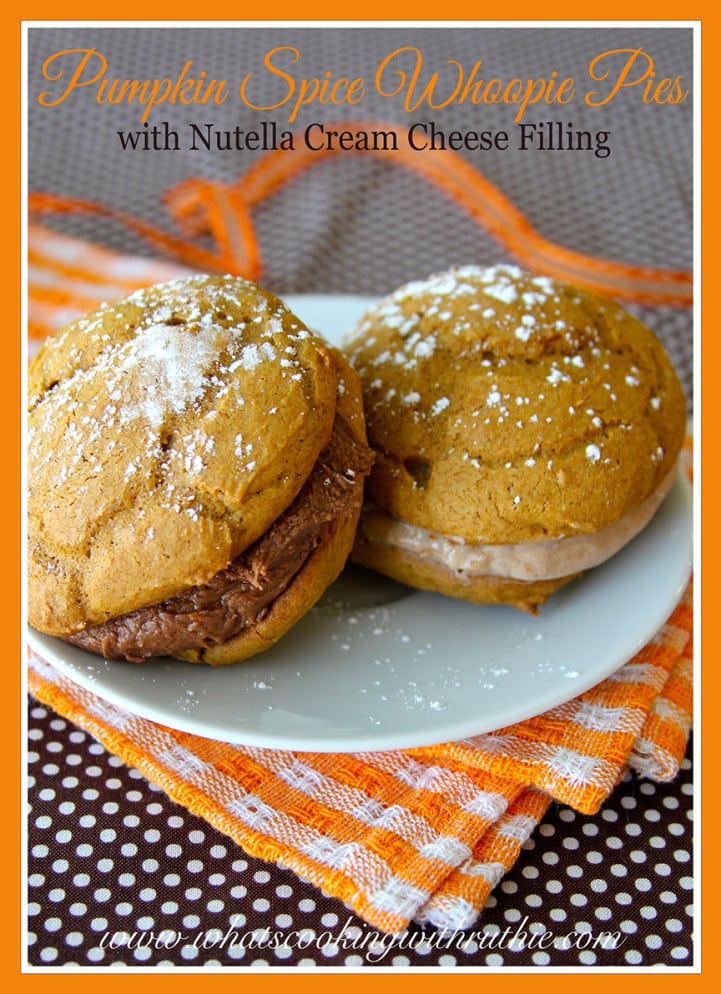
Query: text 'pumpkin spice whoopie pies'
{"x": 196, "y": 467}
{"x": 524, "y": 430}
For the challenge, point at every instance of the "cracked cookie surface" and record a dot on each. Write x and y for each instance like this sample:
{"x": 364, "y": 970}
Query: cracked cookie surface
{"x": 510, "y": 408}
{"x": 166, "y": 433}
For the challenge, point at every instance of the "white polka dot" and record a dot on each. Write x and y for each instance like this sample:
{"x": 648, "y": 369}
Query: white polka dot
{"x": 74, "y": 938}
{"x": 623, "y": 898}
{"x": 152, "y": 835}
{"x": 216, "y": 879}
{"x": 56, "y": 894}
{"x": 599, "y": 886}
{"x": 193, "y": 893}
{"x": 306, "y": 904}
{"x": 494, "y": 959}
{"x": 654, "y": 941}
{"x": 77, "y": 908}
{"x": 123, "y": 908}
{"x": 191, "y": 921}
{"x": 642, "y": 883}
{"x": 638, "y": 856}
{"x": 674, "y": 925}
{"x": 239, "y": 891}
{"x": 126, "y": 879}
{"x": 558, "y": 915}
{"x": 189, "y": 952}
{"x": 218, "y": 852}
{"x": 330, "y": 919}
{"x": 150, "y": 865}
{"x": 215, "y": 906}
{"x": 169, "y": 907}
{"x": 628, "y": 926}
{"x": 196, "y": 836}
{"x": 108, "y": 835}
{"x": 147, "y": 894}
{"x": 171, "y": 879}
{"x": 52, "y": 924}
{"x": 261, "y": 876}
{"x": 95, "y": 954}
{"x": 679, "y": 952}
{"x": 99, "y": 924}
{"x": 648, "y": 912}
{"x": 48, "y": 954}
{"x": 283, "y": 890}
{"x": 81, "y": 879}
{"x": 132, "y": 821}
{"x": 554, "y": 886}
{"x": 43, "y": 822}
{"x": 261, "y": 904}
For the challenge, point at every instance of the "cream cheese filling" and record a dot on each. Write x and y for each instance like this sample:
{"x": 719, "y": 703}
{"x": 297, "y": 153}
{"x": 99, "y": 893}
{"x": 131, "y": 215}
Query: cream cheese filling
{"x": 544, "y": 559}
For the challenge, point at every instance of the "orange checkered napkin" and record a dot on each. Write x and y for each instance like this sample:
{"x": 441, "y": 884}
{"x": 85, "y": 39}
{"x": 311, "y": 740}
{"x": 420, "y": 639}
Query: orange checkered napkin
{"x": 422, "y": 834}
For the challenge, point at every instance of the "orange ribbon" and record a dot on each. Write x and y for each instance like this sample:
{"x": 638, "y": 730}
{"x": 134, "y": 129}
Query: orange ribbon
{"x": 202, "y": 207}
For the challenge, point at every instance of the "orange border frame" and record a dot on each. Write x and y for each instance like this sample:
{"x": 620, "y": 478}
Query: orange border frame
{"x": 702, "y": 11}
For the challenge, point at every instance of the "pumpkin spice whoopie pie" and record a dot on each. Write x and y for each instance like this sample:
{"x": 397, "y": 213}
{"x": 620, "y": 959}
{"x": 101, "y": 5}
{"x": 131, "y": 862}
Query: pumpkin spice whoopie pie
{"x": 196, "y": 469}
{"x": 524, "y": 429}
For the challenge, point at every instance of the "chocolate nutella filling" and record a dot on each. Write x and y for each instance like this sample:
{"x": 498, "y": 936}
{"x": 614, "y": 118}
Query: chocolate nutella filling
{"x": 240, "y": 595}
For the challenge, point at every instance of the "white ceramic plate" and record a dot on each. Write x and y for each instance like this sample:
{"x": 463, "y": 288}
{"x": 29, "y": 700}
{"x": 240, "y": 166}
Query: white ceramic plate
{"x": 379, "y": 666}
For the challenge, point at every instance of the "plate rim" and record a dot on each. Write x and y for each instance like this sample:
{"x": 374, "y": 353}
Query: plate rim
{"x": 378, "y": 741}
{"x": 50, "y": 649}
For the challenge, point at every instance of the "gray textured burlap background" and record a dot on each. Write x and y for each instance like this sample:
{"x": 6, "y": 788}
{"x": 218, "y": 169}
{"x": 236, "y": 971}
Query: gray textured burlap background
{"x": 356, "y": 224}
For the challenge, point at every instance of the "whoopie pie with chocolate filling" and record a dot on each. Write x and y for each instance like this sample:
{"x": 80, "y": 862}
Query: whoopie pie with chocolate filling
{"x": 525, "y": 430}
{"x": 196, "y": 467}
